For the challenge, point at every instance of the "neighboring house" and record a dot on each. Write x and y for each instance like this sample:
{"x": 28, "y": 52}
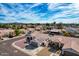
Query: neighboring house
{"x": 71, "y": 45}
{"x": 54, "y": 32}
{"x": 38, "y": 28}
{"x": 73, "y": 32}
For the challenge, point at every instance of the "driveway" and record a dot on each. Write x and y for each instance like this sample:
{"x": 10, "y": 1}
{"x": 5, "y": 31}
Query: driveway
{"x": 6, "y": 48}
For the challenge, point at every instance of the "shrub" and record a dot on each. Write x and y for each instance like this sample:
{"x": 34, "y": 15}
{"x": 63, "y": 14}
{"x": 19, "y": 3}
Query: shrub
{"x": 10, "y": 35}
{"x": 17, "y": 32}
{"x": 66, "y": 33}
{"x": 22, "y": 32}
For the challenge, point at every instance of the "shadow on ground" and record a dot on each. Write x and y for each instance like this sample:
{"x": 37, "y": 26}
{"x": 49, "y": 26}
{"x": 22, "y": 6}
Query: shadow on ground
{"x": 52, "y": 50}
{"x": 30, "y": 47}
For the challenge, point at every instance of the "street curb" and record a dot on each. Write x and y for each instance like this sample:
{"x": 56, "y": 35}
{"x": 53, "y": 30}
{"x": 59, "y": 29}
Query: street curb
{"x": 14, "y": 38}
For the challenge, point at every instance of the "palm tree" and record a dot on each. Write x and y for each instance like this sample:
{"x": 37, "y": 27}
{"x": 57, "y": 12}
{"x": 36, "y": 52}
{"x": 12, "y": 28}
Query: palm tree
{"x": 54, "y": 23}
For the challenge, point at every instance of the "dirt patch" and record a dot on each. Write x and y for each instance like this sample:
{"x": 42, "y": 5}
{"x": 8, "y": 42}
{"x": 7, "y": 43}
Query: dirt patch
{"x": 44, "y": 52}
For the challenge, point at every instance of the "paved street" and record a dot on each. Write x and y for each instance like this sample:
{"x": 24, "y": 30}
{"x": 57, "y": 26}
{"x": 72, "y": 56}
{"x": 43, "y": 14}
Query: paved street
{"x": 6, "y": 49}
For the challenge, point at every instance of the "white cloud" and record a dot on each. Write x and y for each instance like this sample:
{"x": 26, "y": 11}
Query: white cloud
{"x": 73, "y": 10}
{"x": 30, "y": 16}
{"x": 51, "y": 6}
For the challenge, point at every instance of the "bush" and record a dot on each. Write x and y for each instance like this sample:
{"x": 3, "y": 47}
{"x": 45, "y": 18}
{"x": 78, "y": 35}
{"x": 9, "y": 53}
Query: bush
{"x": 17, "y": 32}
{"x": 22, "y": 32}
{"x": 10, "y": 35}
{"x": 66, "y": 33}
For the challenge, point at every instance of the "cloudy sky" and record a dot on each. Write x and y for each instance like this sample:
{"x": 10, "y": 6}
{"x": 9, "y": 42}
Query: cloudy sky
{"x": 39, "y": 12}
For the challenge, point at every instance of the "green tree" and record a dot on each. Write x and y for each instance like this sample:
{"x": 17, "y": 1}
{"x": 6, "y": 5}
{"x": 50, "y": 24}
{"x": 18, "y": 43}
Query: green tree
{"x": 17, "y": 32}
{"x": 54, "y": 23}
{"x": 13, "y": 26}
{"x": 60, "y": 26}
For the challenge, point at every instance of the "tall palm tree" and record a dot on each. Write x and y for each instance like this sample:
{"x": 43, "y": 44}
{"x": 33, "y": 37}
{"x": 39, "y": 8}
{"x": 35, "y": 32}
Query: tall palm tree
{"x": 54, "y": 23}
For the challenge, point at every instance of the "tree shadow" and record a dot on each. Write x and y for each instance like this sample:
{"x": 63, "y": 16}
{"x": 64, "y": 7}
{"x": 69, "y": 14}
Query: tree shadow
{"x": 30, "y": 47}
{"x": 52, "y": 50}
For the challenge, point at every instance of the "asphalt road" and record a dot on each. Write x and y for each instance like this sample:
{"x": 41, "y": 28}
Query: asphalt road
{"x": 6, "y": 49}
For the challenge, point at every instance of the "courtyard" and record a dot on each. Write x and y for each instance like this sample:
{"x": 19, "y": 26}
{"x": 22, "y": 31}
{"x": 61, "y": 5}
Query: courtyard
{"x": 69, "y": 42}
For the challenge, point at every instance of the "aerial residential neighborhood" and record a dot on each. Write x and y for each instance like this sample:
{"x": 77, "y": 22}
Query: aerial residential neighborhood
{"x": 43, "y": 42}
{"x": 20, "y": 35}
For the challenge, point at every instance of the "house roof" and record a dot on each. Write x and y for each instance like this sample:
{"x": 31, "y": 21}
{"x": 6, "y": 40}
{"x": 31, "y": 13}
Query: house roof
{"x": 55, "y": 30}
{"x": 69, "y": 42}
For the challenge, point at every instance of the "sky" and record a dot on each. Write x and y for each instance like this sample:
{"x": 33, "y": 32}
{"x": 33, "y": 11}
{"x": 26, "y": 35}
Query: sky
{"x": 39, "y": 12}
